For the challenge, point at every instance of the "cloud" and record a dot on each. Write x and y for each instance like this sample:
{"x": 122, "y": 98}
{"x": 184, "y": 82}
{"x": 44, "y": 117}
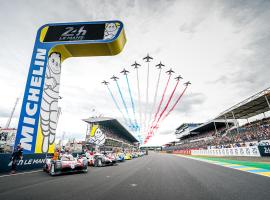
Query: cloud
{"x": 189, "y": 102}
{"x": 222, "y": 47}
{"x": 243, "y": 12}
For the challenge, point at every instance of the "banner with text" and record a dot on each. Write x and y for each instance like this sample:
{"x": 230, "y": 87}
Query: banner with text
{"x": 238, "y": 151}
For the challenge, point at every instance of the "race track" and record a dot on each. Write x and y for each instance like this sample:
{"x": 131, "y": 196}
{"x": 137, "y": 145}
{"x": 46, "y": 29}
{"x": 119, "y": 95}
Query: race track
{"x": 153, "y": 177}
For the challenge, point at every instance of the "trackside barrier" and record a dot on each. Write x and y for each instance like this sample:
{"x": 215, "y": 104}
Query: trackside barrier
{"x": 29, "y": 162}
{"x": 184, "y": 152}
{"x": 238, "y": 151}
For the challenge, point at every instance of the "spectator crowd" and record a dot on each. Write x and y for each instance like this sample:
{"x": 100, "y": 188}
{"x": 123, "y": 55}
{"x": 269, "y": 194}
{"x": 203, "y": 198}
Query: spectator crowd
{"x": 113, "y": 135}
{"x": 250, "y": 134}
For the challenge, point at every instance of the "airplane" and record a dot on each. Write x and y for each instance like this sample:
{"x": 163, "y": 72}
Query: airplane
{"x": 114, "y": 78}
{"x": 187, "y": 83}
{"x": 125, "y": 72}
{"x": 136, "y": 65}
{"x": 170, "y": 71}
{"x": 178, "y": 78}
{"x": 105, "y": 82}
{"x": 147, "y": 58}
{"x": 160, "y": 65}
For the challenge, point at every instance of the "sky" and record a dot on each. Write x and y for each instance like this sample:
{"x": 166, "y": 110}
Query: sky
{"x": 222, "y": 47}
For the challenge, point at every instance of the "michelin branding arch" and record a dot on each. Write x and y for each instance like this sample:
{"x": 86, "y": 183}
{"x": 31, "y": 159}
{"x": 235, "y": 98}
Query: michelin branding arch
{"x": 55, "y": 43}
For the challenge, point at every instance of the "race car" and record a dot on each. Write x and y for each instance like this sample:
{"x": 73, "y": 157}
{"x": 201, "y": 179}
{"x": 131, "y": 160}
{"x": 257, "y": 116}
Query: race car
{"x": 120, "y": 157}
{"x": 140, "y": 153}
{"x": 90, "y": 158}
{"x": 101, "y": 160}
{"x": 134, "y": 155}
{"x": 128, "y": 156}
{"x": 65, "y": 164}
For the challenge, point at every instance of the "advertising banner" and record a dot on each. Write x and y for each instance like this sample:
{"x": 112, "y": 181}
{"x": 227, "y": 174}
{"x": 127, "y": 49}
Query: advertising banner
{"x": 238, "y": 151}
{"x": 29, "y": 162}
{"x": 97, "y": 137}
{"x": 264, "y": 150}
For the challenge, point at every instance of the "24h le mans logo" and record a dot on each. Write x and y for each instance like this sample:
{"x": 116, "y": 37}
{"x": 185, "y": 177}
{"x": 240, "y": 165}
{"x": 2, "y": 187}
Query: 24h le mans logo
{"x": 73, "y": 33}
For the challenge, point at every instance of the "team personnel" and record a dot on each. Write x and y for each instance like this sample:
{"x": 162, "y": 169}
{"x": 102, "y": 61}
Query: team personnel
{"x": 16, "y": 156}
{"x": 56, "y": 155}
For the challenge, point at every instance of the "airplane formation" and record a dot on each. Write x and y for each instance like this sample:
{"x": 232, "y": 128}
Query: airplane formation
{"x": 142, "y": 128}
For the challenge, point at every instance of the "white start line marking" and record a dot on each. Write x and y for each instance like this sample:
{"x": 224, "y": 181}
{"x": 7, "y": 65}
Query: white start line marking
{"x": 20, "y": 173}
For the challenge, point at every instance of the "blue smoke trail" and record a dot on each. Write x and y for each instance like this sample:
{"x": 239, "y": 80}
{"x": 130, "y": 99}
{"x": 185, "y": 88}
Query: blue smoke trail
{"x": 132, "y": 103}
{"x": 117, "y": 106}
{"x": 124, "y": 103}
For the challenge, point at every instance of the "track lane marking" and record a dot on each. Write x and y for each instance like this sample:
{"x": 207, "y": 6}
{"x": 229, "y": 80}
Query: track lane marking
{"x": 21, "y": 173}
{"x": 252, "y": 170}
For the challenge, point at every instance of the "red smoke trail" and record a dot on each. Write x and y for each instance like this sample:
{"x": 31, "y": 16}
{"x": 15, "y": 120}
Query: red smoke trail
{"x": 165, "y": 108}
{"x": 174, "y": 105}
{"x": 160, "y": 103}
{"x": 168, "y": 102}
{"x": 167, "y": 114}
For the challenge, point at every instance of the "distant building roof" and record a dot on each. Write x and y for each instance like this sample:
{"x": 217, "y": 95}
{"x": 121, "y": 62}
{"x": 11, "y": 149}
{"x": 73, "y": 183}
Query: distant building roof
{"x": 185, "y": 128}
{"x": 190, "y": 125}
{"x": 114, "y": 125}
{"x": 250, "y": 107}
{"x": 210, "y": 126}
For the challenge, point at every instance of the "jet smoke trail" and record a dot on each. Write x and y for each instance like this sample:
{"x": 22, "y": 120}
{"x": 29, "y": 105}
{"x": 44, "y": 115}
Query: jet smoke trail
{"x": 117, "y": 106}
{"x": 132, "y": 103}
{"x": 176, "y": 102}
{"x": 155, "y": 98}
{"x": 160, "y": 103}
{"x": 167, "y": 104}
{"x": 168, "y": 113}
{"x": 124, "y": 103}
{"x": 139, "y": 98}
{"x": 147, "y": 59}
{"x": 135, "y": 65}
{"x": 147, "y": 98}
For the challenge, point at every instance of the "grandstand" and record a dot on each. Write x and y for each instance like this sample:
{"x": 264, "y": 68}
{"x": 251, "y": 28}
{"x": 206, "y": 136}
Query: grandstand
{"x": 108, "y": 133}
{"x": 224, "y": 130}
{"x": 252, "y": 106}
{"x": 184, "y": 129}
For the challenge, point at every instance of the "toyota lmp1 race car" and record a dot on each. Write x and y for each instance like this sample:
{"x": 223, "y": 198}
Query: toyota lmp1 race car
{"x": 101, "y": 160}
{"x": 66, "y": 164}
{"x": 90, "y": 158}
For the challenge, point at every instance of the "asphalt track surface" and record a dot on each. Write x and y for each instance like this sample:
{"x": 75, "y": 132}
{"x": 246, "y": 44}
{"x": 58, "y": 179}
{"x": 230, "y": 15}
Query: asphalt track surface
{"x": 153, "y": 177}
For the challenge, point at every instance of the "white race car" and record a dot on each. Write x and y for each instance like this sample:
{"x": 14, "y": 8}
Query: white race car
{"x": 101, "y": 160}
{"x": 90, "y": 158}
{"x": 66, "y": 164}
